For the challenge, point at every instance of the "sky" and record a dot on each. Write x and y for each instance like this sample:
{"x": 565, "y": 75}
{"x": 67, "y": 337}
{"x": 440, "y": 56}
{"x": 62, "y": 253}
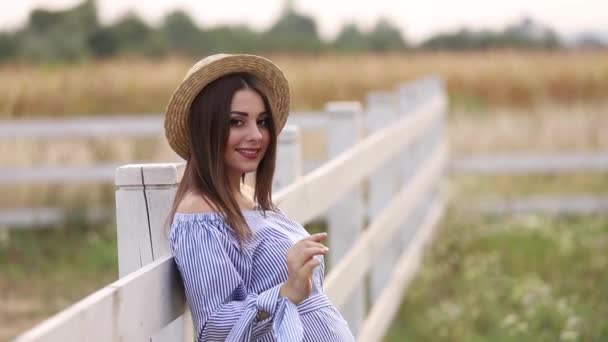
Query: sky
{"x": 417, "y": 19}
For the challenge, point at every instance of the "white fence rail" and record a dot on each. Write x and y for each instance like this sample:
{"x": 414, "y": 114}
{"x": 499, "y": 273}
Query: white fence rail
{"x": 531, "y": 164}
{"x": 119, "y": 125}
{"x": 488, "y": 165}
{"x": 409, "y": 153}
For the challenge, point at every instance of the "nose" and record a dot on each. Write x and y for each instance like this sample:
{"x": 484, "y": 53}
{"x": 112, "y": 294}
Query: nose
{"x": 254, "y": 133}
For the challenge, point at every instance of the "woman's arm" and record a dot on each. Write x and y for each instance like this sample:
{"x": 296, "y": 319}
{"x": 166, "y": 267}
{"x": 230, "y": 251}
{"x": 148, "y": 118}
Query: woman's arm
{"x": 213, "y": 284}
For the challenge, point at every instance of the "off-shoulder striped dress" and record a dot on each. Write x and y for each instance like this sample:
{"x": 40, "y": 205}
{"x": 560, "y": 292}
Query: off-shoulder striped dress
{"x": 226, "y": 285}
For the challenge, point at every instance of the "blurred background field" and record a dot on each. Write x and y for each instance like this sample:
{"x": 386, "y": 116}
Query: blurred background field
{"x": 513, "y": 91}
{"x": 476, "y": 81}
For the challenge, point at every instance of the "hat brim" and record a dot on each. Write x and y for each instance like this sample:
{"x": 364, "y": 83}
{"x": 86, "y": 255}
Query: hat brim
{"x": 206, "y": 71}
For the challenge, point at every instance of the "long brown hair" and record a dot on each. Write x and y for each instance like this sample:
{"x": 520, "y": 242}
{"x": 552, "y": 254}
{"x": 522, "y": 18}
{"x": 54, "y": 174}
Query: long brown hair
{"x": 205, "y": 173}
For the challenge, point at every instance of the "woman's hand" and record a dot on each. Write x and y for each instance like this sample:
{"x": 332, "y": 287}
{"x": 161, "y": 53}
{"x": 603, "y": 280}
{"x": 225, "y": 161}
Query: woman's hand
{"x": 300, "y": 265}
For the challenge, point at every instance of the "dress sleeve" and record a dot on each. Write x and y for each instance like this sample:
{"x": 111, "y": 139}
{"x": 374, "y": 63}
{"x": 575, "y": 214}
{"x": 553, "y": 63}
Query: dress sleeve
{"x": 212, "y": 283}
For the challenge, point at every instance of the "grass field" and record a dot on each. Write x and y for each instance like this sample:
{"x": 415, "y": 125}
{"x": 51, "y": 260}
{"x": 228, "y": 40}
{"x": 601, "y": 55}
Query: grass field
{"x": 517, "y": 278}
{"x": 475, "y": 81}
{"x": 45, "y": 271}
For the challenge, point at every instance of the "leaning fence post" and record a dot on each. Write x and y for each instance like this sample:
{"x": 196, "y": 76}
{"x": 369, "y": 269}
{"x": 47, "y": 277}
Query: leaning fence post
{"x": 345, "y": 219}
{"x": 144, "y": 196}
{"x": 289, "y": 157}
{"x": 383, "y": 184}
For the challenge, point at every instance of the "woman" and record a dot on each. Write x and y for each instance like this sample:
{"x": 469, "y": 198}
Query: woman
{"x": 249, "y": 272}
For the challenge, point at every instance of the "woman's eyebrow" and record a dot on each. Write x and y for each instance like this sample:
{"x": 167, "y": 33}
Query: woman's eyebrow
{"x": 247, "y": 114}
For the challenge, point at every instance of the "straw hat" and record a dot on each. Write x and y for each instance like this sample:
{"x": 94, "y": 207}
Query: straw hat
{"x": 211, "y": 68}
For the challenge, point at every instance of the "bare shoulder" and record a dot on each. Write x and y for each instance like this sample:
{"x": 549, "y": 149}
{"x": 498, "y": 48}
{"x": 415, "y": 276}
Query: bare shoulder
{"x": 193, "y": 203}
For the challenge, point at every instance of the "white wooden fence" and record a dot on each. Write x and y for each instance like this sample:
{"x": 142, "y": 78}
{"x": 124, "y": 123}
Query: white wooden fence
{"x": 380, "y": 192}
{"x": 150, "y": 125}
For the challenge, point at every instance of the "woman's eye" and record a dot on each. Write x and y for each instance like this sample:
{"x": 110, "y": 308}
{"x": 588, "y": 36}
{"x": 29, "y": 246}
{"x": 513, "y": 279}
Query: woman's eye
{"x": 235, "y": 122}
{"x": 264, "y": 122}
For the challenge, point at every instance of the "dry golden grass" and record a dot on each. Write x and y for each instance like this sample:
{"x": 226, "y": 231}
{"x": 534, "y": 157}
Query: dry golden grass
{"x": 547, "y": 129}
{"x": 474, "y": 80}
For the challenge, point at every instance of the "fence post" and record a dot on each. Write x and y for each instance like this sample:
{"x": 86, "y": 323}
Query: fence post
{"x": 345, "y": 219}
{"x": 289, "y": 157}
{"x": 144, "y": 196}
{"x": 383, "y": 184}
{"x": 409, "y": 97}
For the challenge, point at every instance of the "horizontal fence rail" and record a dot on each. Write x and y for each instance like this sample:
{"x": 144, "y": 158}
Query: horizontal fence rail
{"x": 83, "y": 127}
{"x": 560, "y": 205}
{"x": 113, "y": 125}
{"x": 506, "y": 164}
{"x": 33, "y": 218}
{"x": 130, "y": 309}
{"x": 531, "y": 163}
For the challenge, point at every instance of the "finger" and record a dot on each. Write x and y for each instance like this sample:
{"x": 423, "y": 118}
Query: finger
{"x": 309, "y": 243}
{"x": 308, "y": 253}
{"x": 316, "y": 237}
{"x": 306, "y": 270}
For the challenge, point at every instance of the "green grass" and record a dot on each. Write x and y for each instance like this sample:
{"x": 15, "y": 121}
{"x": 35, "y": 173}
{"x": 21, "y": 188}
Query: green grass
{"x": 44, "y": 271}
{"x": 518, "y": 278}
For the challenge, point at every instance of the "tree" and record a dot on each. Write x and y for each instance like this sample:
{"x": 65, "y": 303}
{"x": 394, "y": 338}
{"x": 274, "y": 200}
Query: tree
{"x": 133, "y": 36}
{"x": 103, "y": 42}
{"x": 59, "y": 35}
{"x": 386, "y": 37}
{"x": 232, "y": 39}
{"x": 293, "y": 32}
{"x": 351, "y": 39}
{"x": 182, "y": 35}
{"x": 8, "y": 46}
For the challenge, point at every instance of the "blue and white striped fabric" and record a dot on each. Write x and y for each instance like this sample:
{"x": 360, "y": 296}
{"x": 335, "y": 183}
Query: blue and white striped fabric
{"x": 226, "y": 286}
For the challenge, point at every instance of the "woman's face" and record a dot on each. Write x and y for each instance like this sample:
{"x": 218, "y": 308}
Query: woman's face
{"x": 249, "y": 134}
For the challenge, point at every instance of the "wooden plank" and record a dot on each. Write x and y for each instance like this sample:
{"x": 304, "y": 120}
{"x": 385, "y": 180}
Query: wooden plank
{"x": 531, "y": 163}
{"x": 160, "y": 185}
{"x": 383, "y": 312}
{"x": 289, "y": 158}
{"x": 324, "y": 186}
{"x": 355, "y": 264}
{"x": 111, "y": 125}
{"x": 103, "y": 126}
{"x": 345, "y": 218}
{"x": 383, "y": 183}
{"x": 160, "y": 182}
{"x": 48, "y": 175}
{"x": 159, "y": 202}
{"x": 564, "y": 205}
{"x": 313, "y": 121}
{"x": 164, "y": 174}
{"x": 130, "y": 309}
{"x": 132, "y": 230}
{"x": 41, "y": 218}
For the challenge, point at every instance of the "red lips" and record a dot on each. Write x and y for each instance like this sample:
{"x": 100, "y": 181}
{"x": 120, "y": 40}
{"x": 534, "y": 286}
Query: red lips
{"x": 249, "y": 153}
